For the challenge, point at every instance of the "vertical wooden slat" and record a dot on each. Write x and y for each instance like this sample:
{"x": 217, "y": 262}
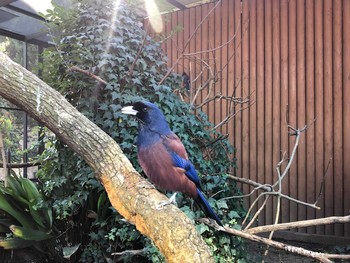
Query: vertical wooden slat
{"x": 276, "y": 89}
{"x": 168, "y": 39}
{"x": 245, "y": 92}
{"x": 319, "y": 106}
{"x": 346, "y": 111}
{"x": 192, "y": 69}
{"x": 292, "y": 109}
{"x": 225, "y": 36}
{"x": 238, "y": 81}
{"x": 211, "y": 44}
{"x": 217, "y": 61}
{"x": 199, "y": 47}
{"x": 260, "y": 98}
{"x": 180, "y": 41}
{"x": 253, "y": 90}
{"x": 310, "y": 110}
{"x": 328, "y": 108}
{"x": 231, "y": 65}
{"x": 175, "y": 39}
{"x": 301, "y": 121}
{"x": 172, "y": 39}
{"x": 337, "y": 118}
{"x": 284, "y": 97}
{"x": 205, "y": 56}
{"x": 269, "y": 140}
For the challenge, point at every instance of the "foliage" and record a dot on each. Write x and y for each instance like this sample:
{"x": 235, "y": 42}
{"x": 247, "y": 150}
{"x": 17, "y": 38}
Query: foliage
{"x": 15, "y": 50}
{"x": 105, "y": 39}
{"x": 23, "y": 220}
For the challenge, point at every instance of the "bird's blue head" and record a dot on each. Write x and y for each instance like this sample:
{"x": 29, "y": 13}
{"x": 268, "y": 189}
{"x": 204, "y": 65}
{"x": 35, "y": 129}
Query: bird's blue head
{"x": 150, "y": 116}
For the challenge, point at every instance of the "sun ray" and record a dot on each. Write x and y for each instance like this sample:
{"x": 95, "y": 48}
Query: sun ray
{"x": 113, "y": 25}
{"x": 154, "y": 16}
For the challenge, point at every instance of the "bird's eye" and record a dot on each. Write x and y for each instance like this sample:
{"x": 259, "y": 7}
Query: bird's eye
{"x": 145, "y": 109}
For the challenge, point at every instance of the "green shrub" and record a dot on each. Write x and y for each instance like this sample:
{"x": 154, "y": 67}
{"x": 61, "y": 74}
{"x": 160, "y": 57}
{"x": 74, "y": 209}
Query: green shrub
{"x": 24, "y": 222}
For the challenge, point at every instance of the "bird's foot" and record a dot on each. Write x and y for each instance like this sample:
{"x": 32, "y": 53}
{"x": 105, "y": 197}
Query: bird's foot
{"x": 145, "y": 185}
{"x": 162, "y": 204}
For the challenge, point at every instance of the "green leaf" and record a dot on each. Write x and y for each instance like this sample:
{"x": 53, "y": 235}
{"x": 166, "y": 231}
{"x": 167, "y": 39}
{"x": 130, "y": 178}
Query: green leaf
{"x": 69, "y": 251}
{"x": 222, "y": 204}
{"x": 29, "y": 233}
{"x": 202, "y": 228}
{"x": 20, "y": 216}
{"x": 31, "y": 190}
{"x": 15, "y": 243}
{"x": 234, "y": 214}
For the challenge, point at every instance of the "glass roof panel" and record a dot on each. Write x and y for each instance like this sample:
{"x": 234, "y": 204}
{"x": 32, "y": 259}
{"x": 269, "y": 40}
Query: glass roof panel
{"x": 20, "y": 19}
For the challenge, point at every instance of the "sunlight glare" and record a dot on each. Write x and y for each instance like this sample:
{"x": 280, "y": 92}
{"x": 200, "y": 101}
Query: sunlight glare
{"x": 154, "y": 16}
{"x": 39, "y": 6}
{"x": 113, "y": 23}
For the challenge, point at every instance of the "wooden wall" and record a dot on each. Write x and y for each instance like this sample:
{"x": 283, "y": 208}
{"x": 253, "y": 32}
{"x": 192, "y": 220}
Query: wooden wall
{"x": 292, "y": 58}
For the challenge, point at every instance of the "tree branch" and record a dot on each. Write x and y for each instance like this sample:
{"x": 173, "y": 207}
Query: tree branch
{"x": 171, "y": 231}
{"x": 22, "y": 165}
{"x": 322, "y": 257}
{"x": 188, "y": 42}
{"x": 3, "y": 156}
{"x": 87, "y": 73}
{"x": 299, "y": 224}
{"x": 131, "y": 70}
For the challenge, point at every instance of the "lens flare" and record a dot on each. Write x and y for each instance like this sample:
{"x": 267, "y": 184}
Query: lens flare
{"x": 39, "y": 6}
{"x": 113, "y": 25}
{"x": 154, "y": 16}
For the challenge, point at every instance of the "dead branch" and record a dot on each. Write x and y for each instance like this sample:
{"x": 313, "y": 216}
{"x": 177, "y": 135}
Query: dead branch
{"x": 322, "y": 257}
{"x": 23, "y": 165}
{"x": 299, "y": 224}
{"x": 269, "y": 190}
{"x": 3, "y": 156}
{"x": 323, "y": 181}
{"x": 131, "y": 70}
{"x": 188, "y": 42}
{"x": 292, "y": 249}
{"x": 129, "y": 252}
{"x": 265, "y": 187}
{"x": 87, "y": 73}
{"x": 215, "y": 48}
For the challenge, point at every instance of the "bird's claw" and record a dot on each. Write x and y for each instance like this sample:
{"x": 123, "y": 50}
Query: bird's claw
{"x": 162, "y": 204}
{"x": 145, "y": 185}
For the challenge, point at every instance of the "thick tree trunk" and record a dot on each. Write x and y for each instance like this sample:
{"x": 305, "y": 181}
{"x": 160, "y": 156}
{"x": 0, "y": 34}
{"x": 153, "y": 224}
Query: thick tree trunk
{"x": 133, "y": 197}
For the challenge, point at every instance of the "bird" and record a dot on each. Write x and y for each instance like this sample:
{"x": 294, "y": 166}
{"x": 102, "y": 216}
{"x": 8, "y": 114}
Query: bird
{"x": 185, "y": 81}
{"x": 163, "y": 157}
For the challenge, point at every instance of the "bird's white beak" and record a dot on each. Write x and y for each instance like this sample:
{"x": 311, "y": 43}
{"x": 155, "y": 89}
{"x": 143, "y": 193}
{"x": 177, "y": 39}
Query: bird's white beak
{"x": 129, "y": 110}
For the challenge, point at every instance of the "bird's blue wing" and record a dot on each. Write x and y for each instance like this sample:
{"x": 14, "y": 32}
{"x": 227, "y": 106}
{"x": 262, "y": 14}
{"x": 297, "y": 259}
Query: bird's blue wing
{"x": 179, "y": 157}
{"x": 190, "y": 171}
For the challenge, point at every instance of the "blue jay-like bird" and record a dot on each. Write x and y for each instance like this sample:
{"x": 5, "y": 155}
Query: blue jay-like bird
{"x": 163, "y": 157}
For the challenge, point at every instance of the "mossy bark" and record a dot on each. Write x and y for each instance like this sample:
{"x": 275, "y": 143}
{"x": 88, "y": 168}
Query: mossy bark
{"x": 131, "y": 195}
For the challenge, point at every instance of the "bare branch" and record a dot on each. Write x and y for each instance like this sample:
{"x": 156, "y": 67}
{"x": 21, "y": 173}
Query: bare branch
{"x": 22, "y": 165}
{"x": 218, "y": 47}
{"x": 300, "y": 224}
{"x": 129, "y": 252}
{"x": 3, "y": 155}
{"x": 75, "y": 68}
{"x": 131, "y": 70}
{"x": 323, "y": 181}
{"x": 188, "y": 41}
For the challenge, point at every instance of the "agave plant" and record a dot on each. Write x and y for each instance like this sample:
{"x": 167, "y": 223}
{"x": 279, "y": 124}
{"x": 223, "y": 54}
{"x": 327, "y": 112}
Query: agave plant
{"x": 23, "y": 221}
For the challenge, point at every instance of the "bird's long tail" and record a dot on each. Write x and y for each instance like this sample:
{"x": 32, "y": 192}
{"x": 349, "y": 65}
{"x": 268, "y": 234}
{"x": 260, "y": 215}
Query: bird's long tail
{"x": 204, "y": 205}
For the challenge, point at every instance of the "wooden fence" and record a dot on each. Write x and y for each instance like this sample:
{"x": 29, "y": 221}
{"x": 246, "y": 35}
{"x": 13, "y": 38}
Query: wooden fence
{"x": 291, "y": 60}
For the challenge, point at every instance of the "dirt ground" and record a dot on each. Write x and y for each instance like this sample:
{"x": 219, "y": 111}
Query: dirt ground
{"x": 257, "y": 251}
